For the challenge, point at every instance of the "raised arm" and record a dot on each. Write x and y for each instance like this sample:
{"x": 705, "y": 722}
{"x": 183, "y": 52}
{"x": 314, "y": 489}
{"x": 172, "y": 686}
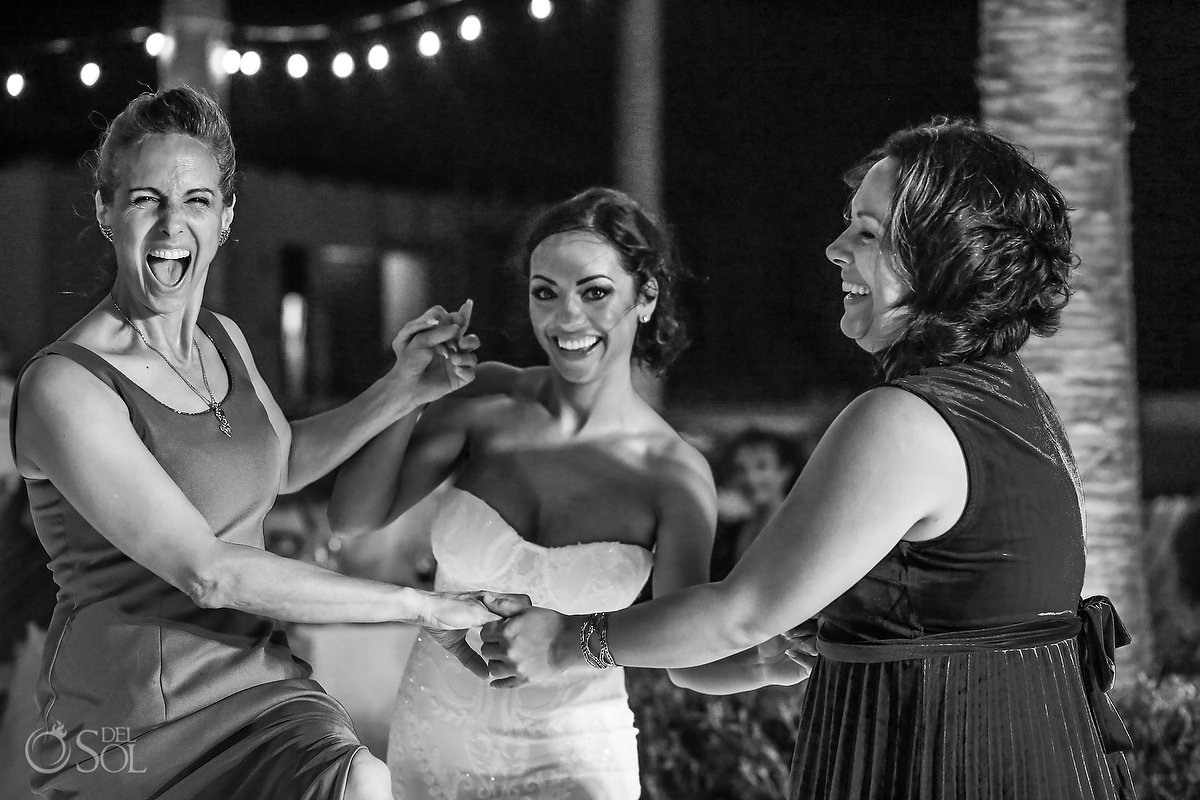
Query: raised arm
{"x": 75, "y": 432}
{"x": 404, "y": 463}
{"x": 496, "y": 377}
{"x": 434, "y": 355}
{"x": 397, "y": 468}
{"x": 888, "y": 467}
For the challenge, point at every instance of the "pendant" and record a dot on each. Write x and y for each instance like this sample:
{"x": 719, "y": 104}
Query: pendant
{"x": 219, "y": 413}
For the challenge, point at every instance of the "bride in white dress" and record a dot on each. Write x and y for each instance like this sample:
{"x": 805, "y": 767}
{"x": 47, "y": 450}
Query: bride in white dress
{"x": 567, "y": 487}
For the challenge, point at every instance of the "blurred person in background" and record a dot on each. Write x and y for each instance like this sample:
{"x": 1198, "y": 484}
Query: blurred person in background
{"x": 567, "y": 487}
{"x": 152, "y": 450}
{"x": 938, "y": 528}
{"x": 754, "y": 474}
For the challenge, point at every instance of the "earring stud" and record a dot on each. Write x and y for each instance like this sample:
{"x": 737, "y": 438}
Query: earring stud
{"x": 644, "y": 319}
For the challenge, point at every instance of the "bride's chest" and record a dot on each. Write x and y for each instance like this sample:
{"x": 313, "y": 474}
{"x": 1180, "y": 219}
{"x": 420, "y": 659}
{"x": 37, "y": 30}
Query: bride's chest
{"x": 563, "y": 499}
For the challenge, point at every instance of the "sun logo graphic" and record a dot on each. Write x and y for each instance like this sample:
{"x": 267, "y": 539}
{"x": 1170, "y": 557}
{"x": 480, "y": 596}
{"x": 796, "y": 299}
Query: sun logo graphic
{"x": 41, "y": 748}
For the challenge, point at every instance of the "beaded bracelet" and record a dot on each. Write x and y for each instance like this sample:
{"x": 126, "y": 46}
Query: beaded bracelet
{"x": 596, "y": 624}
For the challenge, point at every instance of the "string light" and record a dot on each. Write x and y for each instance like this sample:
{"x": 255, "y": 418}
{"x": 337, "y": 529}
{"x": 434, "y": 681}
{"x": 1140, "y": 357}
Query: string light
{"x": 429, "y": 44}
{"x": 89, "y": 74}
{"x": 155, "y": 43}
{"x": 297, "y": 65}
{"x": 343, "y": 65}
{"x": 378, "y": 57}
{"x": 470, "y": 28}
{"x": 251, "y": 63}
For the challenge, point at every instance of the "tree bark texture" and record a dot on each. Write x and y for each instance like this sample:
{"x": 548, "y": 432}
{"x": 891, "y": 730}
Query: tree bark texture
{"x": 1053, "y": 77}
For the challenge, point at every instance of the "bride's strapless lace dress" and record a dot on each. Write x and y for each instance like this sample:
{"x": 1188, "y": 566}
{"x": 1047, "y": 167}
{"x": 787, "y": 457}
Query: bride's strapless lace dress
{"x": 453, "y": 736}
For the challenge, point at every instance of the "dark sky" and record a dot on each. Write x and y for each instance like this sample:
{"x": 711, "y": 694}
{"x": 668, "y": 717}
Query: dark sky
{"x": 767, "y": 102}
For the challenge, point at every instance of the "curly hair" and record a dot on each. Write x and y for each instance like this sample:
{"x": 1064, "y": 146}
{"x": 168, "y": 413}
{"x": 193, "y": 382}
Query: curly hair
{"x": 182, "y": 110}
{"x": 646, "y": 252}
{"x": 981, "y": 239}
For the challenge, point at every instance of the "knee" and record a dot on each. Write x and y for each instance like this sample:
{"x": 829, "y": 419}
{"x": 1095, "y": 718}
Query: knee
{"x": 369, "y": 778}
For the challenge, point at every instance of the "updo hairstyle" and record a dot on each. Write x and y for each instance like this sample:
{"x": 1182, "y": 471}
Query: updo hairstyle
{"x": 645, "y": 251}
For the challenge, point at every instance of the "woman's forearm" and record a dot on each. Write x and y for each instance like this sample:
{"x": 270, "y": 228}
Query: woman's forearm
{"x": 740, "y": 672}
{"x": 248, "y": 579}
{"x": 696, "y": 625}
{"x": 367, "y": 485}
{"x": 322, "y": 442}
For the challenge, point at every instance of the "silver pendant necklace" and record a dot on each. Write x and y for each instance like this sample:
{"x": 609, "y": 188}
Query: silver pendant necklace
{"x": 213, "y": 404}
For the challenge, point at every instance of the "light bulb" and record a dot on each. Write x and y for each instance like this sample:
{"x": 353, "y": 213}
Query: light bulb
{"x": 429, "y": 44}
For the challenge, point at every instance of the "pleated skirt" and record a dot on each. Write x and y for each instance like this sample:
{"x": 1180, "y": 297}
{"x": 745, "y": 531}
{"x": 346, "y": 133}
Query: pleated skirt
{"x": 987, "y": 725}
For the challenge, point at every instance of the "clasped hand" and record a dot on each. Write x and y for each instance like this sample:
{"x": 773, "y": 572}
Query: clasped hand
{"x": 520, "y": 643}
{"x": 531, "y": 645}
{"x": 788, "y": 659}
{"x": 434, "y": 353}
{"x": 450, "y": 621}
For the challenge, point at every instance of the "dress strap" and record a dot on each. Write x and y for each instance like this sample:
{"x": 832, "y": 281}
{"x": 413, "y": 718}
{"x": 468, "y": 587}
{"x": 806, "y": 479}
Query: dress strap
{"x": 75, "y": 352}
{"x": 216, "y": 331}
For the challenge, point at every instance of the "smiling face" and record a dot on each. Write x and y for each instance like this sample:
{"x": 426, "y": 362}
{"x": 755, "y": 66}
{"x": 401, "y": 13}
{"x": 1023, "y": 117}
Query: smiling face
{"x": 583, "y": 305}
{"x": 872, "y": 316}
{"x": 166, "y": 215}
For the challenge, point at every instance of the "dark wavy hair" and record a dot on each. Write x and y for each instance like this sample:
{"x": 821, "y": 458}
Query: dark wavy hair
{"x": 646, "y": 251}
{"x": 182, "y": 110}
{"x": 981, "y": 239}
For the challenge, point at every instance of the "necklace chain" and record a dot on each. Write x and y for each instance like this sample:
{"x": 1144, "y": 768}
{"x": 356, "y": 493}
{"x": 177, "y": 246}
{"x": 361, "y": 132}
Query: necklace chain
{"x": 213, "y": 404}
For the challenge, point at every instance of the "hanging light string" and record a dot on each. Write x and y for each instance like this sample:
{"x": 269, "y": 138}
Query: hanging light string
{"x": 243, "y": 59}
{"x": 369, "y": 23}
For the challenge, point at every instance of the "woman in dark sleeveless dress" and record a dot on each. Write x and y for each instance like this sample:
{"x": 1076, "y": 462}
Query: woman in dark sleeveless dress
{"x": 938, "y": 528}
{"x": 152, "y": 451}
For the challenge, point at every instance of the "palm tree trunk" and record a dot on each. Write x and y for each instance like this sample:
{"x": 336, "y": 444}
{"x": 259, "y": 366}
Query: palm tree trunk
{"x": 1053, "y": 77}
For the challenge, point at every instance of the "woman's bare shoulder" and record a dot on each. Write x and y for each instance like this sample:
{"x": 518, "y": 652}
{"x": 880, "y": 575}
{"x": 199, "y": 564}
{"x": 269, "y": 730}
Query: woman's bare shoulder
{"x": 678, "y": 463}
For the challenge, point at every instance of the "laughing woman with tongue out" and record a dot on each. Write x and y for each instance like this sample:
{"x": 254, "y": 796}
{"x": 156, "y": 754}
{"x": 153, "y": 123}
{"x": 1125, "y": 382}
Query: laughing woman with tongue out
{"x": 152, "y": 451}
{"x": 937, "y": 531}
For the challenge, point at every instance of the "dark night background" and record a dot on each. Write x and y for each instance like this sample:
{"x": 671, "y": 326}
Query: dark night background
{"x": 766, "y": 103}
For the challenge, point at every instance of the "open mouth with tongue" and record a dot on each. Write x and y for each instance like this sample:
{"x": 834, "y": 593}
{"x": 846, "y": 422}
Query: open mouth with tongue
{"x": 169, "y": 265}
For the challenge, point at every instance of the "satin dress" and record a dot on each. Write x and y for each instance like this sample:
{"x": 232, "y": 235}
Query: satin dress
{"x": 143, "y": 694}
{"x": 968, "y": 667}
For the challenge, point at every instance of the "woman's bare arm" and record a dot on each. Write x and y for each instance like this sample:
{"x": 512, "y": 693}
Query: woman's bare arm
{"x": 426, "y": 367}
{"x": 393, "y": 471}
{"x": 75, "y": 432}
{"x": 889, "y": 467}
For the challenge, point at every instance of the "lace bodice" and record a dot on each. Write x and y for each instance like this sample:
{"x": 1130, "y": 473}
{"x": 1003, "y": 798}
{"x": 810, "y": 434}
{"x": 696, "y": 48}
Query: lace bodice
{"x": 454, "y": 737}
{"x": 476, "y": 549}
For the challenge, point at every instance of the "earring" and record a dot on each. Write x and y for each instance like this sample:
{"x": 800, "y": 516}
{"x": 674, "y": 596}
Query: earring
{"x": 224, "y": 237}
{"x": 644, "y": 319}
{"x": 107, "y": 233}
